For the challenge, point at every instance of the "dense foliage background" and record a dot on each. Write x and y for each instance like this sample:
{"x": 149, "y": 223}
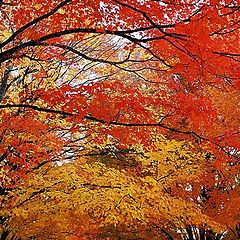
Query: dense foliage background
{"x": 119, "y": 119}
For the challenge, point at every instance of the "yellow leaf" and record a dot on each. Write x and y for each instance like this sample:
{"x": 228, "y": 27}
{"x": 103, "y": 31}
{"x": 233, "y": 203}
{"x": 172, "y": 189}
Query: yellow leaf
{"x": 5, "y": 34}
{"x": 61, "y": 11}
{"x": 38, "y": 6}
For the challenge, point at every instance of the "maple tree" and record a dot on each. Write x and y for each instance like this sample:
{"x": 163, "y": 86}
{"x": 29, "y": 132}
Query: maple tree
{"x": 79, "y": 75}
{"x": 105, "y": 195}
{"x": 142, "y": 194}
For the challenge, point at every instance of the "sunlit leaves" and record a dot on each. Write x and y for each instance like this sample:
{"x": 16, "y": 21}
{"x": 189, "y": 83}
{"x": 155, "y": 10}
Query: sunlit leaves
{"x": 148, "y": 87}
{"x": 102, "y": 196}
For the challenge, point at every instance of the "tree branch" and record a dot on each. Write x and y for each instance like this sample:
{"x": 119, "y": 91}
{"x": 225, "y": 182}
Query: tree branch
{"x": 33, "y": 22}
{"x": 115, "y": 123}
{"x": 3, "y": 86}
{"x": 36, "y": 108}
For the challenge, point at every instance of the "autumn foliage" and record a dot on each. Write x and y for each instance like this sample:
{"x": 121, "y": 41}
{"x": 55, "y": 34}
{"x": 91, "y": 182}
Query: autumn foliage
{"x": 119, "y": 119}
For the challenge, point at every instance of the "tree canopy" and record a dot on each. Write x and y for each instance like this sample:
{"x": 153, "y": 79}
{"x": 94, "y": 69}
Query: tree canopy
{"x": 119, "y": 119}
